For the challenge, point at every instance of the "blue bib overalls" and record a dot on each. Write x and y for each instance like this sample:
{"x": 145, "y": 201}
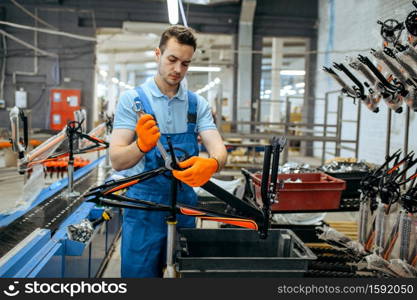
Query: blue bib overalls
{"x": 144, "y": 233}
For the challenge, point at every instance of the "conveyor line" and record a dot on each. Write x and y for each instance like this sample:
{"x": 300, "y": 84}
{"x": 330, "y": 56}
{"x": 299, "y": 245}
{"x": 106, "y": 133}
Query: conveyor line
{"x": 49, "y": 213}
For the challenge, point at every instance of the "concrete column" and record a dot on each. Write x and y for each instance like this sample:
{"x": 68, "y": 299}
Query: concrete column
{"x": 256, "y": 78}
{"x": 309, "y": 94}
{"x": 123, "y": 74}
{"x": 95, "y": 112}
{"x": 212, "y": 93}
{"x": 217, "y": 93}
{"x": 226, "y": 78}
{"x": 277, "y": 59}
{"x": 131, "y": 78}
{"x": 245, "y": 46}
{"x": 233, "y": 105}
{"x": 112, "y": 91}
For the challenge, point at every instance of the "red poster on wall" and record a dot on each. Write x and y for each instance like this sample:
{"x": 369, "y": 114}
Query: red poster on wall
{"x": 63, "y": 104}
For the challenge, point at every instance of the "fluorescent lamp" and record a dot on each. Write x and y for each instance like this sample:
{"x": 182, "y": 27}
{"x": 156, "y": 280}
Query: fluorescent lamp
{"x": 293, "y": 72}
{"x": 151, "y": 65}
{"x": 287, "y": 87}
{"x": 173, "y": 11}
{"x": 204, "y": 69}
{"x": 268, "y": 92}
{"x": 300, "y": 85}
{"x": 103, "y": 73}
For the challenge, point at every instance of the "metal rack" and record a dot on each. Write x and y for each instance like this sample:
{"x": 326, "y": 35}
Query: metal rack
{"x": 310, "y": 132}
{"x": 406, "y": 133}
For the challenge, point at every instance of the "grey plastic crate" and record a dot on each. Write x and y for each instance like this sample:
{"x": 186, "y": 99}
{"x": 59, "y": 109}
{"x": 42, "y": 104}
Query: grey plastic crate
{"x": 235, "y": 252}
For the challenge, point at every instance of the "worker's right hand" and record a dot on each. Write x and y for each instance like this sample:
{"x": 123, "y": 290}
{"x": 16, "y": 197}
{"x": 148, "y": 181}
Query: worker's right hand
{"x": 147, "y": 133}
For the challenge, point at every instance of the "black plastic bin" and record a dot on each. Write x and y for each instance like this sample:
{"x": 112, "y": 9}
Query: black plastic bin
{"x": 353, "y": 180}
{"x": 239, "y": 252}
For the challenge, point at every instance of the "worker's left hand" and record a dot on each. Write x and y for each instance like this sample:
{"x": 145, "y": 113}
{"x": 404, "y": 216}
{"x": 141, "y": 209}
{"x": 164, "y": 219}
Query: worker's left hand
{"x": 198, "y": 170}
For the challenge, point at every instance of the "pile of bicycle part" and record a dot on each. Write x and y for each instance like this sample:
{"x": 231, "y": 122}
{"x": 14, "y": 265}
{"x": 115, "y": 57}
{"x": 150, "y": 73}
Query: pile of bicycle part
{"x": 387, "y": 221}
{"x": 387, "y": 73}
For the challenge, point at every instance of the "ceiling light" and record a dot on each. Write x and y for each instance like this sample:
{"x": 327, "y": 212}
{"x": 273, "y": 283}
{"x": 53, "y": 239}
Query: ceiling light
{"x": 115, "y": 80}
{"x": 150, "y": 65}
{"x": 300, "y": 85}
{"x": 103, "y": 73}
{"x": 293, "y": 72}
{"x": 173, "y": 11}
{"x": 204, "y": 69}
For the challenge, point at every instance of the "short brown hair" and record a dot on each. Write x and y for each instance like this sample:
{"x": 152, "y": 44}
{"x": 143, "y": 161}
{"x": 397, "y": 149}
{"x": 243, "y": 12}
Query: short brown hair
{"x": 184, "y": 35}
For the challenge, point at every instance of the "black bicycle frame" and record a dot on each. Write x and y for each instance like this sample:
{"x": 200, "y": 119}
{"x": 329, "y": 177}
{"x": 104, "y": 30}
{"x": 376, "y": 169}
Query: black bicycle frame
{"x": 250, "y": 216}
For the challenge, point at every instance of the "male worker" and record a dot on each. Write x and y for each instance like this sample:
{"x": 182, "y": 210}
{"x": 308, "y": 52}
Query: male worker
{"x": 170, "y": 110}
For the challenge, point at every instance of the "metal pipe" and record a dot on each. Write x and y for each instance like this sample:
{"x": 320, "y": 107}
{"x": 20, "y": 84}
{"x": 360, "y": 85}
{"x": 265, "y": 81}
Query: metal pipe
{"x": 49, "y": 144}
{"x": 70, "y": 177}
{"x": 286, "y": 129}
{"x": 184, "y": 19}
{"x": 219, "y": 108}
{"x": 289, "y": 137}
{"x": 3, "y": 66}
{"x": 49, "y": 31}
{"x": 326, "y": 108}
{"x": 348, "y": 148}
{"x": 172, "y": 224}
{"x": 358, "y": 130}
{"x": 388, "y": 139}
{"x": 35, "y": 16}
{"x": 71, "y": 140}
{"x": 406, "y": 137}
{"x": 170, "y": 271}
{"x": 278, "y": 123}
{"x": 339, "y": 124}
{"x": 407, "y": 129}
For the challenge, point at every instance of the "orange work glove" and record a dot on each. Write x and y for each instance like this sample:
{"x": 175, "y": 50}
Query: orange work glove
{"x": 198, "y": 170}
{"x": 147, "y": 133}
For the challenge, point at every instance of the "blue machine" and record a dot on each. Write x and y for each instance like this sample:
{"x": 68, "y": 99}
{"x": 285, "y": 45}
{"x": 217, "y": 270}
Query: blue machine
{"x": 44, "y": 253}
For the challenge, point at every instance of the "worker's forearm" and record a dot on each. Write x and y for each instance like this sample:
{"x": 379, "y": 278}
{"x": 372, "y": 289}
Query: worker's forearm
{"x": 125, "y": 157}
{"x": 220, "y": 154}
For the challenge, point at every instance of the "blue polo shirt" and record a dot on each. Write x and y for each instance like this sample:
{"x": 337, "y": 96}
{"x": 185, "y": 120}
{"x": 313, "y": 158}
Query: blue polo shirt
{"x": 171, "y": 114}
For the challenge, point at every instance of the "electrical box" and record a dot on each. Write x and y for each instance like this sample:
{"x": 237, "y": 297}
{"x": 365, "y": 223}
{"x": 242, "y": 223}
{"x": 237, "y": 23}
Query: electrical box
{"x": 21, "y": 98}
{"x": 64, "y": 102}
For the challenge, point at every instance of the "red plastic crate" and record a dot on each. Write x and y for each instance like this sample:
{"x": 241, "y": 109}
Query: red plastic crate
{"x": 317, "y": 191}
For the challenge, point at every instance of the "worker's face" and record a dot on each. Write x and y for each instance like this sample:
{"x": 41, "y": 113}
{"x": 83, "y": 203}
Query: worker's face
{"x": 174, "y": 61}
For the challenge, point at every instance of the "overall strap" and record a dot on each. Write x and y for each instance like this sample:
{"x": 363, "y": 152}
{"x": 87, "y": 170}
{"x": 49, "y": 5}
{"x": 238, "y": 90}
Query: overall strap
{"x": 142, "y": 101}
{"x": 192, "y": 112}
